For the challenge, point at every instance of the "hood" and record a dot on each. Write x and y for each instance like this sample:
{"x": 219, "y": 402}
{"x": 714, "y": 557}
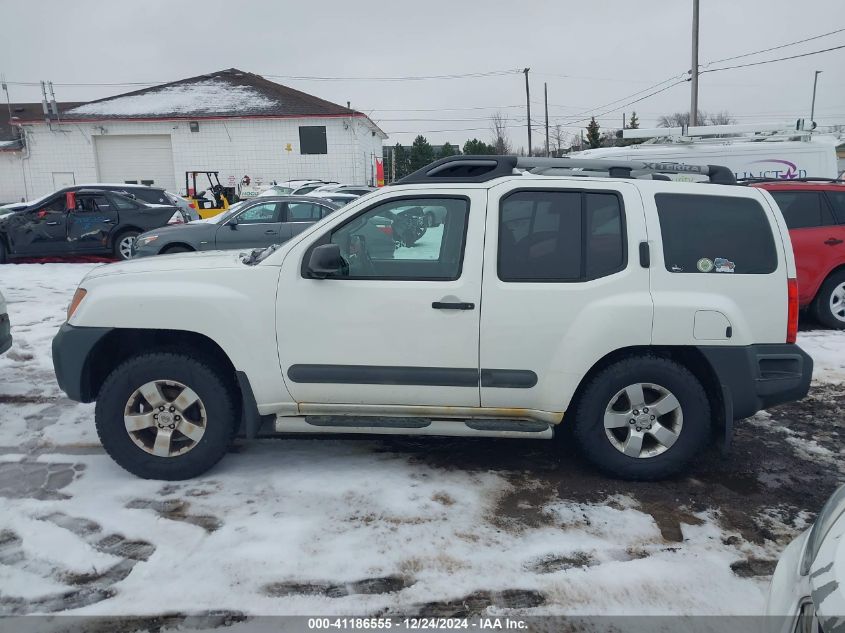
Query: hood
{"x": 167, "y": 263}
{"x": 173, "y": 231}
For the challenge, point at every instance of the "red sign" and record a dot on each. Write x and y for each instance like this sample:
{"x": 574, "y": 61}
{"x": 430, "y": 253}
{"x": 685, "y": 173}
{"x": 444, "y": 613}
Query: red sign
{"x": 379, "y": 173}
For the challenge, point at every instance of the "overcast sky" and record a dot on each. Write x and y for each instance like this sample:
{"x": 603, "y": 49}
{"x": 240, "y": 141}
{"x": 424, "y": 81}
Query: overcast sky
{"x": 590, "y": 54}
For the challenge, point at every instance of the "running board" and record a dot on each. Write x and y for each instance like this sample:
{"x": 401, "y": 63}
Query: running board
{"x": 524, "y": 429}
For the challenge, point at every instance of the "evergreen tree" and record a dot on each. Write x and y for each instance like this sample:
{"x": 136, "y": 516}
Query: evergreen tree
{"x": 593, "y": 134}
{"x": 476, "y": 147}
{"x": 403, "y": 163}
{"x": 447, "y": 150}
{"x": 422, "y": 153}
{"x": 633, "y": 122}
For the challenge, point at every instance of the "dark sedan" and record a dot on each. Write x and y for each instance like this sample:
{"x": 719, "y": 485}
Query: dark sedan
{"x": 81, "y": 222}
{"x": 250, "y": 224}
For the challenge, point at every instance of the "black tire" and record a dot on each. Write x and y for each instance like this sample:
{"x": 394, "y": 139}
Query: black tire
{"x": 822, "y": 310}
{"x": 214, "y": 393}
{"x": 592, "y": 403}
{"x": 118, "y": 252}
{"x": 177, "y": 249}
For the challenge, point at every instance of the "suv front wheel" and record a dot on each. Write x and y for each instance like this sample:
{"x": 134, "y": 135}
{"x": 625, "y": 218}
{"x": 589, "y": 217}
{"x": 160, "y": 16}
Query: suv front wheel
{"x": 165, "y": 416}
{"x": 642, "y": 418}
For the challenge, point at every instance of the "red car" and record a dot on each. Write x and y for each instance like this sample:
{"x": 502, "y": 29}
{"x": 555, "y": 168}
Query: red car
{"x": 814, "y": 210}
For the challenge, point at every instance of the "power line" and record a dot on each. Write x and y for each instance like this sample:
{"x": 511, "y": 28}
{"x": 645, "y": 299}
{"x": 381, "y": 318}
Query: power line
{"x": 492, "y": 73}
{"x": 771, "y": 61}
{"x": 774, "y": 48}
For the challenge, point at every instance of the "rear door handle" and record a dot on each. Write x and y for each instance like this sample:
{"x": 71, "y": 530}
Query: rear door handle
{"x": 457, "y": 305}
{"x": 271, "y": 232}
{"x": 52, "y": 223}
{"x": 832, "y": 241}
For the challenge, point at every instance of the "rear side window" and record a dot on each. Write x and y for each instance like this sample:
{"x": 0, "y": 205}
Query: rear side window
{"x": 837, "y": 200}
{"x": 803, "y": 209}
{"x": 150, "y": 196}
{"x": 560, "y": 236}
{"x": 715, "y": 234}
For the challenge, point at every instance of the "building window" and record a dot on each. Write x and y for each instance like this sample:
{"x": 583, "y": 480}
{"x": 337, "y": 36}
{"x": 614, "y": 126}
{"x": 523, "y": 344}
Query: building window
{"x": 194, "y": 126}
{"x": 312, "y": 139}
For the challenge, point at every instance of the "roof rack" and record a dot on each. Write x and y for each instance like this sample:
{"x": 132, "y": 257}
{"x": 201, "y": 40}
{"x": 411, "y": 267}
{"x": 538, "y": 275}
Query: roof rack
{"x": 750, "y": 181}
{"x": 468, "y": 168}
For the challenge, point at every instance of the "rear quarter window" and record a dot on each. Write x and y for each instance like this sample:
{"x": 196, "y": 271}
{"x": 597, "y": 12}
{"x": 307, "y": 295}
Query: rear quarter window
{"x": 715, "y": 234}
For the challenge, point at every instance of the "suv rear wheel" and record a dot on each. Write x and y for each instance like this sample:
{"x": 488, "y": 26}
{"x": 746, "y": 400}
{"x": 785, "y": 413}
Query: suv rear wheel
{"x": 642, "y": 418}
{"x": 123, "y": 244}
{"x": 829, "y": 304}
{"x": 165, "y": 416}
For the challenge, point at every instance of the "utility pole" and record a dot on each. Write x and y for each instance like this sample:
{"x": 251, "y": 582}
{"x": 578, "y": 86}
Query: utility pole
{"x": 693, "y": 110}
{"x": 528, "y": 107}
{"x": 813, "y": 107}
{"x": 546, "y": 95}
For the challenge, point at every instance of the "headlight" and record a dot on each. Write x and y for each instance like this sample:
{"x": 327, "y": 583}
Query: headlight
{"x": 78, "y": 296}
{"x": 832, "y": 510}
{"x": 144, "y": 240}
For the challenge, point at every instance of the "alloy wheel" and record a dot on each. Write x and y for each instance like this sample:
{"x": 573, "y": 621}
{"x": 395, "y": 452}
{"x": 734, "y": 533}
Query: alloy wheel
{"x": 643, "y": 420}
{"x": 165, "y": 418}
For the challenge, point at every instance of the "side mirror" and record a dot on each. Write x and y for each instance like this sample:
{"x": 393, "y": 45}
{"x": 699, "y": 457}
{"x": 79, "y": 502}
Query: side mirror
{"x": 325, "y": 260}
{"x": 233, "y": 224}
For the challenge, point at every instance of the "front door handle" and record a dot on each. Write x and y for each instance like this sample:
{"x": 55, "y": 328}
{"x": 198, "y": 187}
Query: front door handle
{"x": 457, "y": 305}
{"x": 52, "y": 224}
{"x": 832, "y": 241}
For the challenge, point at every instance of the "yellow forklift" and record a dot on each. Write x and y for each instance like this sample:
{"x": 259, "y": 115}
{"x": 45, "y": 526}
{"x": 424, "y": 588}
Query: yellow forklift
{"x": 208, "y": 202}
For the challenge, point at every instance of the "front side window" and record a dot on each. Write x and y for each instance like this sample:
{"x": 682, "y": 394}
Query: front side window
{"x": 803, "y": 209}
{"x": 90, "y": 204}
{"x": 260, "y": 214}
{"x": 560, "y": 236}
{"x": 715, "y": 234}
{"x": 392, "y": 241}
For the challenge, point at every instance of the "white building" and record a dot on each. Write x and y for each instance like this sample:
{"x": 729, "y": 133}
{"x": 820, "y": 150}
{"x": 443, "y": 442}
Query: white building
{"x": 231, "y": 121}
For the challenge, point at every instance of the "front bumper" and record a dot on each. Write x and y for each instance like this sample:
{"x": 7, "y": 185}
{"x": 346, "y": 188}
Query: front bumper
{"x": 5, "y": 333}
{"x": 757, "y": 377}
{"x": 72, "y": 347}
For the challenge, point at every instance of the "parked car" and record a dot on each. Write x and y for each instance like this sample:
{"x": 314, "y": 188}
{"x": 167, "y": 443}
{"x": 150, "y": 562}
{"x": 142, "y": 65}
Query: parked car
{"x": 5, "y": 326}
{"x": 807, "y": 591}
{"x": 255, "y": 223}
{"x": 188, "y": 209}
{"x": 358, "y": 190}
{"x": 309, "y": 187}
{"x": 814, "y": 211}
{"x": 646, "y": 313}
{"x": 338, "y": 198}
{"x": 78, "y": 222}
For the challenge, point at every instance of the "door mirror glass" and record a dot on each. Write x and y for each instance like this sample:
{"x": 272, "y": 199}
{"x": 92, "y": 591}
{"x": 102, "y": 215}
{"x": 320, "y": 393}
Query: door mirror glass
{"x": 325, "y": 261}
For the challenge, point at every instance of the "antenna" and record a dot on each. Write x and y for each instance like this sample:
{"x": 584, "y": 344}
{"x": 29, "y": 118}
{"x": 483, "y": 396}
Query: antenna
{"x": 53, "y": 105}
{"x": 44, "y": 102}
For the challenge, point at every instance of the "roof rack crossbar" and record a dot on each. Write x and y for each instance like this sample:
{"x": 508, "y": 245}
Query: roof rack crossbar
{"x": 465, "y": 168}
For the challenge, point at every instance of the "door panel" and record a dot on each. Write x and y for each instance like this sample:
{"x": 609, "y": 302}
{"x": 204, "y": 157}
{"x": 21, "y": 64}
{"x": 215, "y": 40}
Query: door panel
{"x": 40, "y": 231}
{"x": 375, "y": 337}
{"x": 550, "y": 312}
{"x": 90, "y": 223}
{"x": 257, "y": 226}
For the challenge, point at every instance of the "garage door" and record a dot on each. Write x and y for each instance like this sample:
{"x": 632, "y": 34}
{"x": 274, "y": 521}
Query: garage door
{"x": 144, "y": 159}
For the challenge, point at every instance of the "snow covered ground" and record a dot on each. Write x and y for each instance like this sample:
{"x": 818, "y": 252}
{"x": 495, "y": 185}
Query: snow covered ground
{"x": 351, "y": 526}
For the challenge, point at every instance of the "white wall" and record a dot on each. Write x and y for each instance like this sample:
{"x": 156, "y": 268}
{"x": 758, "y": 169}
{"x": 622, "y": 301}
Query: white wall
{"x": 234, "y": 147}
{"x": 11, "y": 177}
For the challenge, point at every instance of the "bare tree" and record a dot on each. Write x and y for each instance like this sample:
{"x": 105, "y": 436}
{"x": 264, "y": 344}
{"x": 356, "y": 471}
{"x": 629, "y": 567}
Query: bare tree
{"x": 556, "y": 140}
{"x": 499, "y": 131}
{"x": 720, "y": 118}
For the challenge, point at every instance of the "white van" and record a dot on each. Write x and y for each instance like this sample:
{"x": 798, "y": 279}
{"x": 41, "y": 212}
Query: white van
{"x": 747, "y": 157}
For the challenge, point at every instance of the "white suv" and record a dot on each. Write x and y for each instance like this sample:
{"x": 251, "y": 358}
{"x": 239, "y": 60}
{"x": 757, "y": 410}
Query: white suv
{"x": 646, "y": 315}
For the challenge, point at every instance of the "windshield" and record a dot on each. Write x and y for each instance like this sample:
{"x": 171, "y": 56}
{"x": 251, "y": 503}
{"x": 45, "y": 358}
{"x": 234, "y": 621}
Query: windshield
{"x": 28, "y": 203}
{"x": 219, "y": 219}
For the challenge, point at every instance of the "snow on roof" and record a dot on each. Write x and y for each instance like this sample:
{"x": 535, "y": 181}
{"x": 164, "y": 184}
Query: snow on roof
{"x": 202, "y": 97}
